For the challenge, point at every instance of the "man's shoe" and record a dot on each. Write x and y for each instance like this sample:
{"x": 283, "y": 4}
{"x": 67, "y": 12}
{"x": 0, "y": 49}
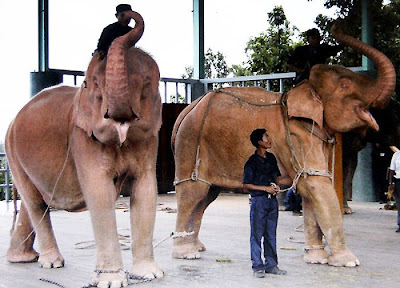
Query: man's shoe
{"x": 398, "y": 230}
{"x": 277, "y": 271}
{"x": 259, "y": 274}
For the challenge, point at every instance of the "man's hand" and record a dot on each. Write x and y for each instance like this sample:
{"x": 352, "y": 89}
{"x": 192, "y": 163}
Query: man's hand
{"x": 273, "y": 189}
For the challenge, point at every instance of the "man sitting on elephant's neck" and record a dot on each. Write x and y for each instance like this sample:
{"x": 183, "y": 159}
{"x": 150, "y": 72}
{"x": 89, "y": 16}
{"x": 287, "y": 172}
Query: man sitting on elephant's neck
{"x": 114, "y": 30}
{"x": 305, "y": 57}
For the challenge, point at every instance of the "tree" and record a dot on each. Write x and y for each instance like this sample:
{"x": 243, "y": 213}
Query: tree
{"x": 385, "y": 24}
{"x": 214, "y": 66}
{"x": 385, "y": 20}
{"x": 268, "y": 52}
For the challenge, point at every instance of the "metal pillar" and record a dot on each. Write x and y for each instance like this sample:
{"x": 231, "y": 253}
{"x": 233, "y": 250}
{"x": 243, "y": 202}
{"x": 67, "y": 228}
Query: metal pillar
{"x": 44, "y": 77}
{"x": 366, "y": 32}
{"x": 363, "y": 184}
{"x": 43, "y": 19}
{"x": 198, "y": 48}
{"x": 198, "y": 32}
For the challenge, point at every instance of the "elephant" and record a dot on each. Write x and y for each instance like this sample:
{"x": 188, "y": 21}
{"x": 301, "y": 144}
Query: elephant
{"x": 77, "y": 148}
{"x": 211, "y": 145}
{"x": 389, "y": 135}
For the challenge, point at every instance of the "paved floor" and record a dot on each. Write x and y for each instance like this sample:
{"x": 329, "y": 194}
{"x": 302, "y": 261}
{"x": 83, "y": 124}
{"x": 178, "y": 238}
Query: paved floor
{"x": 370, "y": 233}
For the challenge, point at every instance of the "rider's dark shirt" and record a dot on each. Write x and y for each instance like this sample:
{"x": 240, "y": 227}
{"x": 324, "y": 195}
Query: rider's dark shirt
{"x": 109, "y": 33}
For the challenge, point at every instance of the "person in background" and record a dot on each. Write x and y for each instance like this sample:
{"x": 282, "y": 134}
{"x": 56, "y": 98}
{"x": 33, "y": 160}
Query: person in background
{"x": 305, "y": 57}
{"x": 261, "y": 178}
{"x": 394, "y": 179}
{"x": 114, "y": 30}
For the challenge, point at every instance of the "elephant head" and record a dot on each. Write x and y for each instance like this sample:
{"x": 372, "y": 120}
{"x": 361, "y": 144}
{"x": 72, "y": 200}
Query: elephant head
{"x": 120, "y": 91}
{"x": 346, "y": 96}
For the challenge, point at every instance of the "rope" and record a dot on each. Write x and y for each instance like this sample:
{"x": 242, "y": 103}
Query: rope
{"x": 195, "y": 173}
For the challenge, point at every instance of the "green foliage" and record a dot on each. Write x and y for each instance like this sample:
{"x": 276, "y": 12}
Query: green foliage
{"x": 268, "y": 52}
{"x": 214, "y": 66}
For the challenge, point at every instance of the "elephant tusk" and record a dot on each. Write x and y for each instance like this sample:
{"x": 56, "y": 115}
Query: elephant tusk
{"x": 122, "y": 129}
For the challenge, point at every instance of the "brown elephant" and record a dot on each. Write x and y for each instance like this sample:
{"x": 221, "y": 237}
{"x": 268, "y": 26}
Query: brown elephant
{"x": 211, "y": 145}
{"x": 78, "y": 148}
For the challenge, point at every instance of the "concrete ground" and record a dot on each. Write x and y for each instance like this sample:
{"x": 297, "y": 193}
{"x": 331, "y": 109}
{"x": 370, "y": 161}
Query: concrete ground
{"x": 370, "y": 234}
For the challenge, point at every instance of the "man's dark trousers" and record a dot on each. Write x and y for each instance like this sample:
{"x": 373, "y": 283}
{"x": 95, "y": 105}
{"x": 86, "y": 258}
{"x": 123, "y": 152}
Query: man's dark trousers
{"x": 263, "y": 223}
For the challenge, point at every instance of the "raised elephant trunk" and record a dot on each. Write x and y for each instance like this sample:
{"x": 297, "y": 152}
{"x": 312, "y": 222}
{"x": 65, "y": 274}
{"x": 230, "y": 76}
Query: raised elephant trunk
{"x": 119, "y": 103}
{"x": 385, "y": 82}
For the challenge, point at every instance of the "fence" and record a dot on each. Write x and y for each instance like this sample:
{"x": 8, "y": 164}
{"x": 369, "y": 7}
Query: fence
{"x": 5, "y": 185}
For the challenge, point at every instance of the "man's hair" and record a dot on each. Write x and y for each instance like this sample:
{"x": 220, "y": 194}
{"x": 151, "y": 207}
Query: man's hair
{"x": 256, "y": 136}
{"x": 312, "y": 32}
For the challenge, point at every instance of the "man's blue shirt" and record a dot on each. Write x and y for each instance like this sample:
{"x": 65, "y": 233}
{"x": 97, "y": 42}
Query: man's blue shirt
{"x": 260, "y": 171}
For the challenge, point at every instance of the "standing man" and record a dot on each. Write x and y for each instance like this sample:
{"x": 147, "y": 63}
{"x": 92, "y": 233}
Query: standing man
{"x": 304, "y": 57}
{"x": 261, "y": 177}
{"x": 115, "y": 30}
{"x": 394, "y": 179}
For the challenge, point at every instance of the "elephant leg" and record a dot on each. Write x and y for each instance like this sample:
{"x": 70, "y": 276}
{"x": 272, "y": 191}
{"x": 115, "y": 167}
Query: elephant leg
{"x": 212, "y": 194}
{"x": 34, "y": 216}
{"x": 330, "y": 219}
{"x": 349, "y": 168}
{"x": 100, "y": 195}
{"x": 314, "y": 252}
{"x": 193, "y": 198}
{"x": 50, "y": 256}
{"x": 22, "y": 238}
{"x": 143, "y": 213}
{"x": 39, "y": 216}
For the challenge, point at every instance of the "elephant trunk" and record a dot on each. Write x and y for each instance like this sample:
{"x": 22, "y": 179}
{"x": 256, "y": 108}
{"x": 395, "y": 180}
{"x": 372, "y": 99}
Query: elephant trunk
{"x": 119, "y": 104}
{"x": 385, "y": 82}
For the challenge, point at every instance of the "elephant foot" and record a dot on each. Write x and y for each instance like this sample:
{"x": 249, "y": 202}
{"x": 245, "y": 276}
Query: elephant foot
{"x": 51, "y": 259}
{"x": 315, "y": 255}
{"x": 343, "y": 258}
{"x": 147, "y": 270}
{"x": 106, "y": 279}
{"x": 200, "y": 246}
{"x": 187, "y": 251}
{"x": 347, "y": 210}
{"x": 19, "y": 256}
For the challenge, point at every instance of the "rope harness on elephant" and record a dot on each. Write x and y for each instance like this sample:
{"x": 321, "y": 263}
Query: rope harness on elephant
{"x": 301, "y": 170}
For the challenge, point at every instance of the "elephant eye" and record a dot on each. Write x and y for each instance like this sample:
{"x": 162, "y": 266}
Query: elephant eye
{"x": 345, "y": 85}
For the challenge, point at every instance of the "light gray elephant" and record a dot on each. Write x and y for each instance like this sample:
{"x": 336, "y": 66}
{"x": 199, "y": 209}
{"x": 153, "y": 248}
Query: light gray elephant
{"x": 78, "y": 148}
{"x": 211, "y": 144}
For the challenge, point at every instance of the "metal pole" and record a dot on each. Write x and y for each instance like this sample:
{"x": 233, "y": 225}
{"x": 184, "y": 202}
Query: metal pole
{"x": 198, "y": 32}
{"x": 43, "y": 25}
{"x": 367, "y": 35}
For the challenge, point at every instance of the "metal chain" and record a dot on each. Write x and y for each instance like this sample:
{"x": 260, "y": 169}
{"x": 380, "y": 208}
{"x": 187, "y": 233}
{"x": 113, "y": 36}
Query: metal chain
{"x": 52, "y": 282}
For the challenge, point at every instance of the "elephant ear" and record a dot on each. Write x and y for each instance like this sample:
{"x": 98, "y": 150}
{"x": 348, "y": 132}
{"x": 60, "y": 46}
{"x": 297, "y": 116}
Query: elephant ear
{"x": 303, "y": 102}
{"x": 83, "y": 112}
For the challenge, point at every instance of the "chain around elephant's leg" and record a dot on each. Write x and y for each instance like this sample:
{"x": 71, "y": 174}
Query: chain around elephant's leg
{"x": 143, "y": 213}
{"x": 329, "y": 217}
{"x": 192, "y": 201}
